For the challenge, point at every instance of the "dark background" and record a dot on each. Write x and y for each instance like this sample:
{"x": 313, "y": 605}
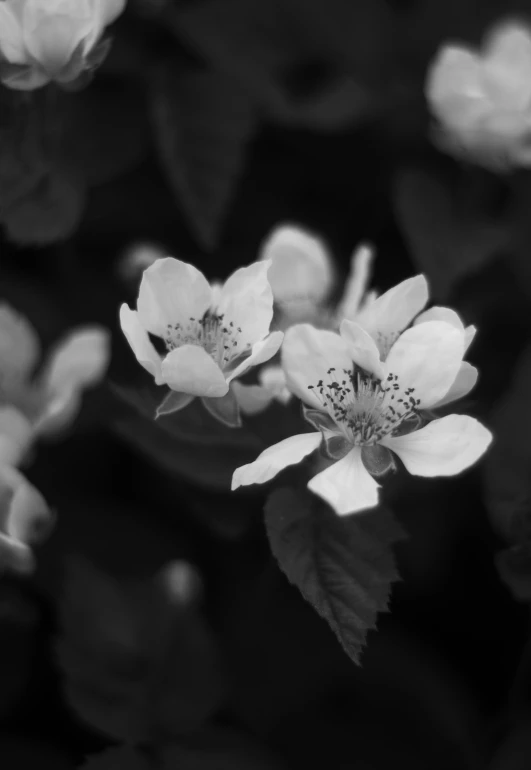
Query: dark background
{"x": 312, "y": 113}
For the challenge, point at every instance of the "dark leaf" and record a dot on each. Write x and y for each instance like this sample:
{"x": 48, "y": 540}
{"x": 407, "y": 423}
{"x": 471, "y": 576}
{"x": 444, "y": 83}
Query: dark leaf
{"x": 189, "y": 443}
{"x": 137, "y": 658}
{"x": 514, "y": 566}
{"x": 203, "y": 123}
{"x": 224, "y": 409}
{"x": 344, "y": 566}
{"x": 445, "y": 242}
{"x": 123, "y": 758}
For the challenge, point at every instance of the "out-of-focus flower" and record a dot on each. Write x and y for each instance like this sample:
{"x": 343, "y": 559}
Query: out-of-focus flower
{"x": 364, "y": 408}
{"x": 24, "y": 520}
{"x": 137, "y": 259}
{"x": 43, "y": 403}
{"x": 482, "y": 99}
{"x": 212, "y": 335}
{"x": 45, "y": 40}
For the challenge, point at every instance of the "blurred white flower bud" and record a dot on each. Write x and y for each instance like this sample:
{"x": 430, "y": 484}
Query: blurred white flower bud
{"x": 482, "y": 99}
{"x": 45, "y": 40}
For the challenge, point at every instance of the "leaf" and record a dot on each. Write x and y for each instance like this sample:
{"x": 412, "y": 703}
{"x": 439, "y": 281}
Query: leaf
{"x": 218, "y": 749}
{"x": 123, "y": 758}
{"x": 343, "y": 566}
{"x": 203, "y": 123}
{"x": 446, "y": 242}
{"x": 50, "y": 212}
{"x": 138, "y": 660}
{"x": 189, "y": 443}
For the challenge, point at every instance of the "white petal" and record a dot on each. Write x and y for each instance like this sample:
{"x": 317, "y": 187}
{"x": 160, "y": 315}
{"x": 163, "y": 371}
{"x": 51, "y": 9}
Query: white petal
{"x": 28, "y": 513}
{"x": 53, "y": 32}
{"x": 172, "y": 292}
{"x": 19, "y": 345}
{"x": 470, "y": 333}
{"x": 261, "y": 352}
{"x": 463, "y": 384}
{"x": 307, "y": 355}
{"x": 79, "y": 360}
{"x": 105, "y": 12}
{"x": 393, "y": 311}
{"x": 443, "y": 448}
{"x": 445, "y": 314}
{"x": 189, "y": 369}
{"x": 25, "y": 78}
{"x": 12, "y": 45}
{"x": 252, "y": 399}
{"x": 346, "y": 485}
{"x": 506, "y": 66}
{"x": 362, "y": 348}
{"x": 140, "y": 343}
{"x": 58, "y": 413}
{"x": 246, "y": 301}
{"x": 273, "y": 378}
{"x": 16, "y": 434}
{"x": 301, "y": 268}
{"x": 357, "y": 283}
{"x": 275, "y": 458}
{"x": 427, "y": 358}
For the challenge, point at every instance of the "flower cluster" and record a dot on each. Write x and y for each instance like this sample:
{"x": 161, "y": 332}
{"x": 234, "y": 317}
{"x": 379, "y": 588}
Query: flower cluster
{"x": 52, "y": 40}
{"x": 34, "y": 406}
{"x": 369, "y": 381}
{"x": 482, "y": 100}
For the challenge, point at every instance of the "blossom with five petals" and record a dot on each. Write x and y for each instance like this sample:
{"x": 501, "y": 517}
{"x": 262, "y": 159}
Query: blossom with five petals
{"x": 212, "y": 334}
{"x": 482, "y": 100}
{"x": 24, "y": 519}
{"x": 45, "y": 40}
{"x": 364, "y": 408}
{"x": 43, "y": 404}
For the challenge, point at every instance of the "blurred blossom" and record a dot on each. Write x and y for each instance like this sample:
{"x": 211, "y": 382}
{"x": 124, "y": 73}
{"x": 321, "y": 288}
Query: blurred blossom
{"x": 183, "y": 583}
{"x": 212, "y": 334}
{"x": 137, "y": 259}
{"x": 43, "y": 403}
{"x": 24, "y": 520}
{"x": 482, "y": 99}
{"x": 367, "y": 392}
{"x": 52, "y": 40}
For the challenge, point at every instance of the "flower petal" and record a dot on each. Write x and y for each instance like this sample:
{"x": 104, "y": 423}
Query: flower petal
{"x": 346, "y": 485}
{"x": 393, "y": 311}
{"x": 362, "y": 348}
{"x": 443, "y": 448}
{"x": 301, "y": 267}
{"x": 427, "y": 358}
{"x": 52, "y": 32}
{"x": 12, "y": 45}
{"x": 252, "y": 399}
{"x": 189, "y": 369}
{"x": 307, "y": 355}
{"x": 437, "y": 313}
{"x": 19, "y": 344}
{"x": 261, "y": 352}
{"x": 16, "y": 433}
{"x": 246, "y": 300}
{"x": 275, "y": 458}
{"x": 79, "y": 360}
{"x": 357, "y": 282}
{"x": 140, "y": 343}
{"x": 172, "y": 292}
{"x": 466, "y": 379}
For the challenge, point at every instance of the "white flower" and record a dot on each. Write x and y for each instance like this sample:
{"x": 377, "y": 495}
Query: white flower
{"x": 482, "y": 100}
{"x": 302, "y": 273}
{"x": 24, "y": 519}
{"x": 45, "y": 40}
{"x": 364, "y": 408}
{"x": 43, "y": 403}
{"x": 211, "y": 336}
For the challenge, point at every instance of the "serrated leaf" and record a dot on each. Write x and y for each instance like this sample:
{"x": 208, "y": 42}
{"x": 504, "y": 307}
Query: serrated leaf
{"x": 344, "y": 566}
{"x": 203, "y": 123}
{"x": 444, "y": 242}
{"x": 190, "y": 443}
{"x": 123, "y": 758}
{"x": 136, "y": 661}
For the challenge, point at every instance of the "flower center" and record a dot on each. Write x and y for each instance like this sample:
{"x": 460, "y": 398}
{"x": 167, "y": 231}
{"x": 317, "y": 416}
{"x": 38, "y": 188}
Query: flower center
{"x": 365, "y": 409}
{"x": 221, "y": 339}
